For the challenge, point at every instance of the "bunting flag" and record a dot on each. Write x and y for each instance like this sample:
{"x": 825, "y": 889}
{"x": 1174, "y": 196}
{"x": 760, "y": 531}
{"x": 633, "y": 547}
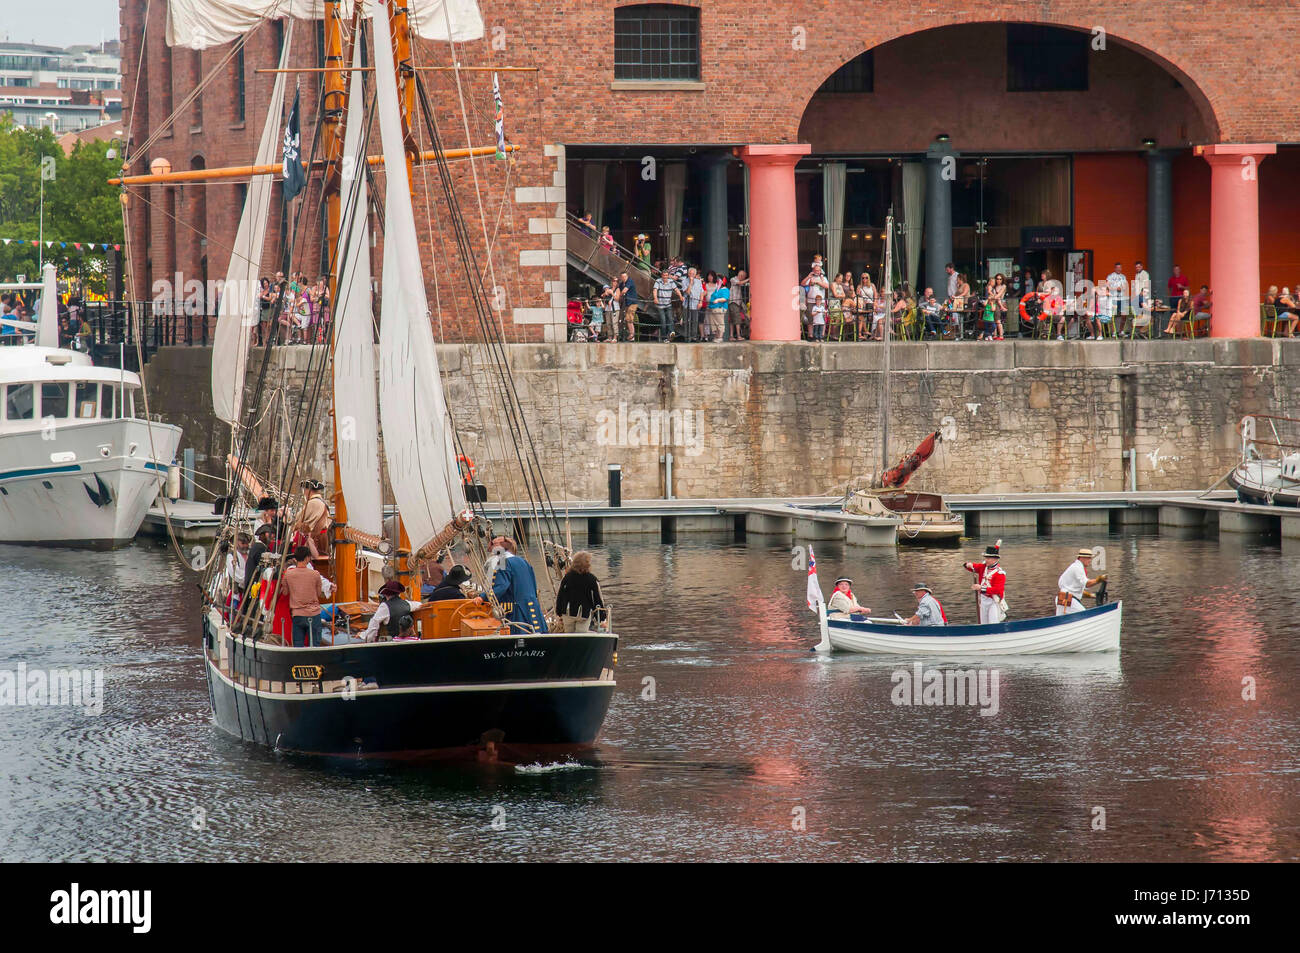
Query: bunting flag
{"x": 500, "y": 118}
{"x": 79, "y": 246}
{"x": 295, "y": 178}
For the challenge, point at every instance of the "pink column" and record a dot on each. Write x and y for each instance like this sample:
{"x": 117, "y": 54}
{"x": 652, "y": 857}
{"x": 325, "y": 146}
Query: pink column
{"x": 773, "y": 241}
{"x": 1234, "y": 237}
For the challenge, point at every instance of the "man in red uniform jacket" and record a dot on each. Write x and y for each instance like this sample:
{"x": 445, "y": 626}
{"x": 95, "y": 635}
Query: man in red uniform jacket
{"x": 990, "y": 585}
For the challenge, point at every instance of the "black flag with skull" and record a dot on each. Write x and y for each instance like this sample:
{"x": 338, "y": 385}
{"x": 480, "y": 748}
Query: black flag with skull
{"x": 295, "y": 178}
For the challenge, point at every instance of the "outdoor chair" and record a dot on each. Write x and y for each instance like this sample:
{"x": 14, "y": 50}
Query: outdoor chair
{"x": 1197, "y": 327}
{"x": 1271, "y": 324}
{"x": 910, "y": 327}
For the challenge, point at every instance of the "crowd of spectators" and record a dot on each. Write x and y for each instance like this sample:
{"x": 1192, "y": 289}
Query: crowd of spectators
{"x": 842, "y": 307}
{"x": 295, "y": 311}
{"x": 689, "y": 306}
{"x": 684, "y": 305}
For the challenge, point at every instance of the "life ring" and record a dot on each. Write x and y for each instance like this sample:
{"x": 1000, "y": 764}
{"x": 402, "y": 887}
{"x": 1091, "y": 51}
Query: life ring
{"x": 466, "y": 466}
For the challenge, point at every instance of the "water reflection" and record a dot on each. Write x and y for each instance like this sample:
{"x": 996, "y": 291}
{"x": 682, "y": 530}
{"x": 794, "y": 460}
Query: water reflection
{"x": 745, "y": 727}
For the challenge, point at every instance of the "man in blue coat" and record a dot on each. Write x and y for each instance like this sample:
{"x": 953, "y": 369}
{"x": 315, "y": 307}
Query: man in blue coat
{"x": 515, "y": 587}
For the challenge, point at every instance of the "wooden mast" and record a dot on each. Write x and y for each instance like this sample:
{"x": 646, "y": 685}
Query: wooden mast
{"x": 408, "y": 566}
{"x": 335, "y": 105}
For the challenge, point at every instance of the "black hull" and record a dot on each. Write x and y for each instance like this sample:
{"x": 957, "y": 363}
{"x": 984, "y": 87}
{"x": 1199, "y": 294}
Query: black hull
{"x": 532, "y": 696}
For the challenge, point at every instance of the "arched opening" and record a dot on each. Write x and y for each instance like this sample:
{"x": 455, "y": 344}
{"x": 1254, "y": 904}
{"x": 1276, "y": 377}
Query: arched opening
{"x": 1045, "y": 144}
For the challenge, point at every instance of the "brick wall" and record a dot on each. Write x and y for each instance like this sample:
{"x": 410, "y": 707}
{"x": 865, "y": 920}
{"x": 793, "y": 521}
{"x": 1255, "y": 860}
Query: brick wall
{"x": 761, "y": 67}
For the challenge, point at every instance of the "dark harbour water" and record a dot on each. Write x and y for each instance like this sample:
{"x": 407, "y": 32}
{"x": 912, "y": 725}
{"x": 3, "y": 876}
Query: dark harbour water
{"x": 747, "y": 729}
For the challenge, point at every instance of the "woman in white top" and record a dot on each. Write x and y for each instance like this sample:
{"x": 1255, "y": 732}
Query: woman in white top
{"x": 866, "y": 305}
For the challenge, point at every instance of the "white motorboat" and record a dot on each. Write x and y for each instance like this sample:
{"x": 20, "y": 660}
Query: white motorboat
{"x": 77, "y": 465}
{"x": 1093, "y": 630}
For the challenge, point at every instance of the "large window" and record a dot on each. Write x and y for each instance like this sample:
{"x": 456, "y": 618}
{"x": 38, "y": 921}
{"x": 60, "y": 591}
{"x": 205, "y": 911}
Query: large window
{"x": 239, "y": 84}
{"x": 19, "y": 402}
{"x": 54, "y": 400}
{"x": 657, "y": 41}
{"x": 1044, "y": 59}
{"x": 855, "y": 76}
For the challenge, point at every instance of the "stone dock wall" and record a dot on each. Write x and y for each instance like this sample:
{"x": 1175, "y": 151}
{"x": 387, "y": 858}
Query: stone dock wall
{"x": 794, "y": 419}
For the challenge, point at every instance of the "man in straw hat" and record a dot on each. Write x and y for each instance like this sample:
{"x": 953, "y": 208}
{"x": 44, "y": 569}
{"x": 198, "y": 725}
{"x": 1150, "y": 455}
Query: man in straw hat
{"x": 843, "y": 603}
{"x": 1069, "y": 595}
{"x": 928, "y": 609}
{"x": 990, "y": 585}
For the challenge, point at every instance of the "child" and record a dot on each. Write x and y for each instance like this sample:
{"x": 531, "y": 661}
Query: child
{"x": 988, "y": 331}
{"x": 818, "y": 311}
{"x": 606, "y": 239}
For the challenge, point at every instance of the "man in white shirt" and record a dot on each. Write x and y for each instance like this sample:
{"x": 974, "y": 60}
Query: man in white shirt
{"x": 1069, "y": 597}
{"x": 952, "y": 281}
{"x": 1141, "y": 281}
{"x": 391, "y": 608}
{"x": 693, "y": 295}
{"x": 1118, "y": 285}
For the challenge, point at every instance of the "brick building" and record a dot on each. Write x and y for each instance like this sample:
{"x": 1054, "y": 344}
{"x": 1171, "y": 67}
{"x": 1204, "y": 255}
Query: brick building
{"x": 1070, "y": 133}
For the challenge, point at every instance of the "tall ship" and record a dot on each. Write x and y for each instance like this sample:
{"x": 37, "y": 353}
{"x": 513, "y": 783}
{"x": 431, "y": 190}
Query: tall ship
{"x": 472, "y": 675}
{"x": 80, "y": 464}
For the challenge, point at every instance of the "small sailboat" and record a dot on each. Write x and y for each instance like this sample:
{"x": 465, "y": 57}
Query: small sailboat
{"x": 919, "y": 517}
{"x": 80, "y": 464}
{"x": 925, "y": 518}
{"x": 465, "y": 677}
{"x": 1269, "y": 471}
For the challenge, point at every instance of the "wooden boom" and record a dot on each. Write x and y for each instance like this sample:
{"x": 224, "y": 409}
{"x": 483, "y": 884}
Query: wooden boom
{"x": 239, "y": 172}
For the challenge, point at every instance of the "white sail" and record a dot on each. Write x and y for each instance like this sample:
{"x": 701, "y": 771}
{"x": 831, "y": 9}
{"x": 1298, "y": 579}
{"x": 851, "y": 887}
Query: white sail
{"x": 356, "y": 411}
{"x": 417, "y": 431}
{"x": 200, "y": 24}
{"x": 237, "y": 314}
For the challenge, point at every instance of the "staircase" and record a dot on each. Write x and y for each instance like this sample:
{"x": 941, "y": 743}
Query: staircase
{"x": 601, "y": 265}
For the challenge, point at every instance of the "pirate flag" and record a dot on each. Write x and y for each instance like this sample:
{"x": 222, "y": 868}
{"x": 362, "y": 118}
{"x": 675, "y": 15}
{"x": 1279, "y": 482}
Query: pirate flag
{"x": 500, "y": 119}
{"x": 294, "y": 176}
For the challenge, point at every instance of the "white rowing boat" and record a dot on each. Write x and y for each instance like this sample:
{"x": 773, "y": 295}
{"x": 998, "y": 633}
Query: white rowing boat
{"x": 1093, "y": 630}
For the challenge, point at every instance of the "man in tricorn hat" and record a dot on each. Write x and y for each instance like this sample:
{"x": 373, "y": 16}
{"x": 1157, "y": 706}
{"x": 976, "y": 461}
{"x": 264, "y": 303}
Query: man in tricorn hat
{"x": 928, "y": 609}
{"x": 843, "y": 604}
{"x": 990, "y": 585}
{"x": 1069, "y": 595}
{"x": 312, "y": 527}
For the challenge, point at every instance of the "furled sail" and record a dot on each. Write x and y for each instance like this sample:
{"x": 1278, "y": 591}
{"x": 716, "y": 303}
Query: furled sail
{"x": 237, "y": 314}
{"x": 199, "y": 24}
{"x": 356, "y": 412}
{"x": 417, "y": 431}
{"x": 47, "y": 328}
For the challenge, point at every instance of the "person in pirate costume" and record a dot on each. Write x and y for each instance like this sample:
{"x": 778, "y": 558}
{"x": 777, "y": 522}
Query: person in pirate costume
{"x": 386, "y": 623}
{"x": 312, "y": 527}
{"x": 843, "y": 604}
{"x": 515, "y": 587}
{"x": 990, "y": 585}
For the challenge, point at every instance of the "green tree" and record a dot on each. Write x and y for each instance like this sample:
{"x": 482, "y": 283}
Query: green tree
{"x": 80, "y": 205}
